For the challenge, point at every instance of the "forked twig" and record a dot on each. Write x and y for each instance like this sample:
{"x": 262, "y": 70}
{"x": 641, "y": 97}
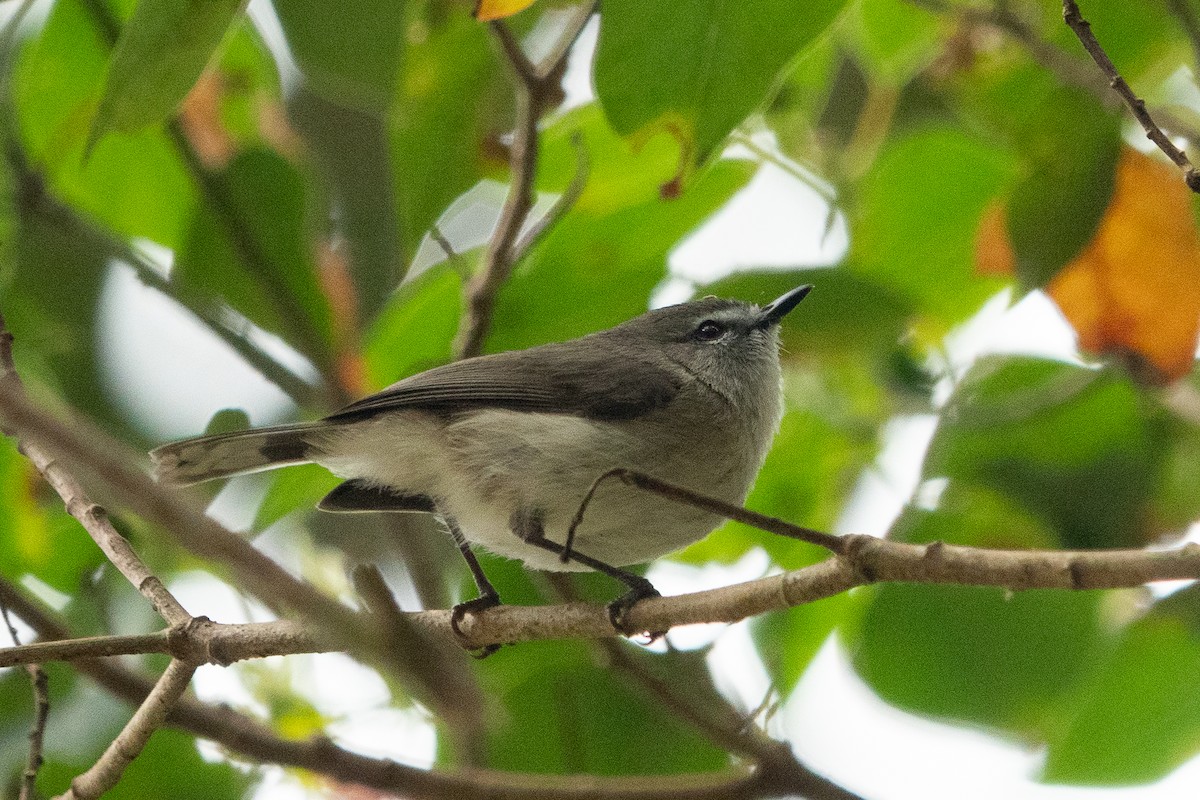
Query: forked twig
{"x": 536, "y": 90}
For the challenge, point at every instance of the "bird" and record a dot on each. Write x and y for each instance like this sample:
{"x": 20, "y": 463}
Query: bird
{"x": 505, "y": 447}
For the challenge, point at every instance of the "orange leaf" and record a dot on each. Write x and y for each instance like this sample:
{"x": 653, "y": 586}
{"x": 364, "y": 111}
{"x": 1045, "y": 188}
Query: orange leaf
{"x": 993, "y": 253}
{"x": 1134, "y": 292}
{"x": 486, "y": 10}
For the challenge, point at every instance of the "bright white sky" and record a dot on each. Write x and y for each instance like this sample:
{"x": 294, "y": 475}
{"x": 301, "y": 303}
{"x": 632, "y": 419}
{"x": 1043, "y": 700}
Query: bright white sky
{"x": 168, "y": 370}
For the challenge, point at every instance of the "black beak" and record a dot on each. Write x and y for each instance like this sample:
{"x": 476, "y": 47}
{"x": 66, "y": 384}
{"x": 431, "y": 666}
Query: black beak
{"x": 772, "y": 313}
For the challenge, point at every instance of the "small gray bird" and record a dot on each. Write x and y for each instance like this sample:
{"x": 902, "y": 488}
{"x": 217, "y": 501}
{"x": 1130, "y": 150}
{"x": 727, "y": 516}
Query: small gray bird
{"x": 505, "y": 447}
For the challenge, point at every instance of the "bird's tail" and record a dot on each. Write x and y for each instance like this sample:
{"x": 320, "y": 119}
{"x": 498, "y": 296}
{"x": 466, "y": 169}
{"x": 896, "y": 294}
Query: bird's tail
{"x": 223, "y": 454}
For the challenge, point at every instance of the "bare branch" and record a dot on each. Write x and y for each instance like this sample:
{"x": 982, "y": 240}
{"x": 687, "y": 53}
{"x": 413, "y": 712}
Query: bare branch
{"x": 91, "y": 516}
{"x": 1137, "y": 106}
{"x": 252, "y": 740}
{"x": 436, "y": 666}
{"x": 41, "y": 712}
{"x": 536, "y": 90}
{"x": 150, "y": 716}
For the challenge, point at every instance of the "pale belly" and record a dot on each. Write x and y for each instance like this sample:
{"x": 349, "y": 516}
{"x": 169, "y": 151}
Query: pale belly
{"x": 485, "y": 469}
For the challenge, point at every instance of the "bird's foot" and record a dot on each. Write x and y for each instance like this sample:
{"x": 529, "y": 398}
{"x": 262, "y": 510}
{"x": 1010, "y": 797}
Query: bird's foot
{"x": 618, "y": 610}
{"x": 459, "y": 613}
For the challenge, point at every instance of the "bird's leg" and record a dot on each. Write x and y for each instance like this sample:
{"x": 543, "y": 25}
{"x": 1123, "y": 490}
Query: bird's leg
{"x": 488, "y": 596}
{"x": 528, "y": 525}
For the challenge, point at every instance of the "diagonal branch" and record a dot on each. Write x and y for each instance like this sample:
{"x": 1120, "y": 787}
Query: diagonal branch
{"x": 1137, "y": 106}
{"x": 150, "y": 716}
{"x": 536, "y": 91}
{"x": 92, "y": 517}
{"x": 715, "y": 718}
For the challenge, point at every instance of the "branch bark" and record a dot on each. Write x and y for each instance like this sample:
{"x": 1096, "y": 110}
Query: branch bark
{"x": 151, "y": 714}
{"x": 40, "y": 682}
{"x": 1083, "y": 30}
{"x": 92, "y": 517}
{"x": 864, "y": 560}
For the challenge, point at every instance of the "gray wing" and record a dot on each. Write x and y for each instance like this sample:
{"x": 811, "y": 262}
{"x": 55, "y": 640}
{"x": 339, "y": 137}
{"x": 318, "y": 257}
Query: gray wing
{"x": 608, "y": 380}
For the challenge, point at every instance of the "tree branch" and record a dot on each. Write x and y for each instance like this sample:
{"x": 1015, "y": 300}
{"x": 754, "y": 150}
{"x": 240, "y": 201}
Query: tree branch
{"x": 252, "y": 740}
{"x": 40, "y": 682}
{"x": 1137, "y": 106}
{"x": 536, "y": 90}
{"x": 151, "y": 714}
{"x": 715, "y": 718}
{"x": 864, "y": 560}
{"x": 92, "y": 517}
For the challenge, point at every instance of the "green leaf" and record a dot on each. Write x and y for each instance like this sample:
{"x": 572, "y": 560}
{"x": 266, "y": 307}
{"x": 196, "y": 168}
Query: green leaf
{"x": 297, "y": 488}
{"x": 169, "y": 766}
{"x": 163, "y": 48}
{"x": 603, "y": 248}
{"x": 350, "y": 52}
{"x": 257, "y": 256}
{"x": 227, "y": 420}
{"x": 136, "y": 184}
{"x": 1138, "y": 716}
{"x": 351, "y": 148}
{"x": 981, "y": 655}
{"x": 45, "y": 542}
{"x": 452, "y": 98}
{"x": 52, "y": 287}
{"x": 894, "y": 39}
{"x": 416, "y": 330}
{"x": 1073, "y": 446}
{"x": 916, "y": 218}
{"x": 1055, "y": 210}
{"x": 788, "y": 640}
{"x": 697, "y": 68}
{"x": 976, "y": 654}
{"x": 563, "y": 714}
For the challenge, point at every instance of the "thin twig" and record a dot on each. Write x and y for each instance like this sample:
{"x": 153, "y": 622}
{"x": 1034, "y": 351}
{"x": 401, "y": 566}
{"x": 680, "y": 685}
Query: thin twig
{"x": 679, "y": 494}
{"x": 92, "y": 517}
{"x": 437, "y": 667}
{"x": 150, "y": 716}
{"x": 536, "y": 90}
{"x": 40, "y": 682}
{"x": 776, "y": 764}
{"x": 565, "y": 202}
{"x": 1083, "y": 29}
{"x": 716, "y": 719}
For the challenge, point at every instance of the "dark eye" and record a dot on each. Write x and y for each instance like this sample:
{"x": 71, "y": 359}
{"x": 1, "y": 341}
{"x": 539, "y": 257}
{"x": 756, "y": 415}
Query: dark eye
{"x": 710, "y": 331}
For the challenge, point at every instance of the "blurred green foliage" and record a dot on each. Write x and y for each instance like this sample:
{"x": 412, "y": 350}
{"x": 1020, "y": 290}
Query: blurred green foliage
{"x": 329, "y": 217}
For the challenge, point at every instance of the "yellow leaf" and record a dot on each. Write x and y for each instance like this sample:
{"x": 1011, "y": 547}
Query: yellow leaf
{"x": 1134, "y": 292}
{"x": 486, "y": 10}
